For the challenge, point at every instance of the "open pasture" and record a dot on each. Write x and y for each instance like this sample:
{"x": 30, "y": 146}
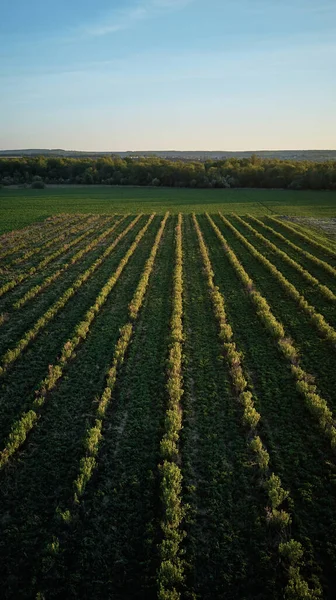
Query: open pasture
{"x": 167, "y": 414}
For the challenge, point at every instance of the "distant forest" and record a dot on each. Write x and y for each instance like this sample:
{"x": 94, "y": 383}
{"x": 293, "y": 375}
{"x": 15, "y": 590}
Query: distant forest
{"x": 252, "y": 172}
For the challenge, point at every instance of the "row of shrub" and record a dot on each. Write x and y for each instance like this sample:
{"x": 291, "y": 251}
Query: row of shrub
{"x": 304, "y": 381}
{"x": 65, "y": 232}
{"x": 17, "y": 278}
{"x": 11, "y": 244}
{"x": 91, "y": 444}
{"x": 33, "y": 291}
{"x": 319, "y": 321}
{"x": 291, "y": 550}
{"x": 25, "y": 423}
{"x": 113, "y": 170}
{"x": 305, "y": 238}
{"x": 323, "y": 289}
{"x": 317, "y": 261}
{"x": 233, "y": 357}
{"x": 92, "y": 439}
{"x": 12, "y": 355}
{"x": 170, "y": 576}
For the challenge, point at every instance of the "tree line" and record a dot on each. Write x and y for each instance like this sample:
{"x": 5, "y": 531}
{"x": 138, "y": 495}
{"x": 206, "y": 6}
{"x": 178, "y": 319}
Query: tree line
{"x": 253, "y": 172}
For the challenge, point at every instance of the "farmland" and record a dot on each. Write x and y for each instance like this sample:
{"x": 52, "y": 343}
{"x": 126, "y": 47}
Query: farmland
{"x": 167, "y": 415}
{"x": 22, "y": 207}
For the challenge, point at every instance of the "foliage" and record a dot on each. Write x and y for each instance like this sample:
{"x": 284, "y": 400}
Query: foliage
{"x": 305, "y": 238}
{"x": 311, "y": 257}
{"x": 317, "y": 405}
{"x": 167, "y": 447}
{"x": 323, "y": 289}
{"x": 37, "y": 289}
{"x": 244, "y": 172}
{"x": 319, "y": 321}
{"x": 38, "y": 185}
{"x": 79, "y": 334}
{"x": 170, "y": 574}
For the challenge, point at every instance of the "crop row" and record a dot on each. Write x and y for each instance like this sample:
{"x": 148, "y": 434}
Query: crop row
{"x": 41, "y": 241}
{"x": 303, "y": 237}
{"x": 17, "y": 279}
{"x": 33, "y": 291}
{"x": 25, "y": 237}
{"x": 323, "y": 289}
{"x": 25, "y": 423}
{"x": 171, "y": 570}
{"x": 272, "y": 483}
{"x": 319, "y": 321}
{"x": 12, "y": 355}
{"x": 304, "y": 381}
{"x": 65, "y": 233}
{"x": 35, "y": 228}
{"x": 88, "y": 462}
{"x": 87, "y": 226}
{"x": 320, "y": 263}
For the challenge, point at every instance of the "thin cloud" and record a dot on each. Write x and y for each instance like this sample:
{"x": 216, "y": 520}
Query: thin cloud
{"x": 126, "y": 19}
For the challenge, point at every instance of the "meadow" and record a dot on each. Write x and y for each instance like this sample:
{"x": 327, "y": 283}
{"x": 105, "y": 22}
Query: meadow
{"x": 21, "y": 207}
{"x": 167, "y": 415}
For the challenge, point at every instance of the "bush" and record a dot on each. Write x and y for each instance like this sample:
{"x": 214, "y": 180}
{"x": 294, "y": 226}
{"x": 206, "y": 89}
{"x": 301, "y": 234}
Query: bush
{"x": 38, "y": 185}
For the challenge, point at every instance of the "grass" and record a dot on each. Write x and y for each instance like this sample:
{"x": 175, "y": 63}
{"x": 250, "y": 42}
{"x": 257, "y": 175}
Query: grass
{"x": 20, "y": 207}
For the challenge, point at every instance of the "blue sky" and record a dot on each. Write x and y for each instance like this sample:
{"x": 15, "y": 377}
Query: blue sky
{"x": 168, "y": 74}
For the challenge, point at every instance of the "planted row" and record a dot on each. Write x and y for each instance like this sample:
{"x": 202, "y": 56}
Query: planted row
{"x": 17, "y": 279}
{"x": 251, "y": 417}
{"x": 170, "y": 575}
{"x": 31, "y": 234}
{"x": 323, "y": 289}
{"x": 33, "y": 291}
{"x": 319, "y": 321}
{"x": 304, "y": 381}
{"x": 91, "y": 445}
{"x": 88, "y": 462}
{"x": 12, "y": 355}
{"x": 25, "y": 423}
{"x": 304, "y": 237}
{"x": 65, "y": 233}
{"x": 320, "y": 263}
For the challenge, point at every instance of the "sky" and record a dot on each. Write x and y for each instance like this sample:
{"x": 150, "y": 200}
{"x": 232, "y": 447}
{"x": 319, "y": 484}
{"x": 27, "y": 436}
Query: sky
{"x": 117, "y": 75}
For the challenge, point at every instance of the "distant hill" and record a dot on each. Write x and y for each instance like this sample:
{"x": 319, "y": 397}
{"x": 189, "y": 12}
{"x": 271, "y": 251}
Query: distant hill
{"x": 201, "y": 155}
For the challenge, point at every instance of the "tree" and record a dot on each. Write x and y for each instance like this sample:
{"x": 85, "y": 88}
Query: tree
{"x": 38, "y": 185}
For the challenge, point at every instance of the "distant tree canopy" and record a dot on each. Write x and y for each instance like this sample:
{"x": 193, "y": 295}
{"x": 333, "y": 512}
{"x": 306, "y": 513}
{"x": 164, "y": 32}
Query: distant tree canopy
{"x": 233, "y": 172}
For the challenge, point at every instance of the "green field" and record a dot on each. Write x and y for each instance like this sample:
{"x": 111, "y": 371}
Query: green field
{"x": 20, "y": 207}
{"x": 167, "y": 415}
